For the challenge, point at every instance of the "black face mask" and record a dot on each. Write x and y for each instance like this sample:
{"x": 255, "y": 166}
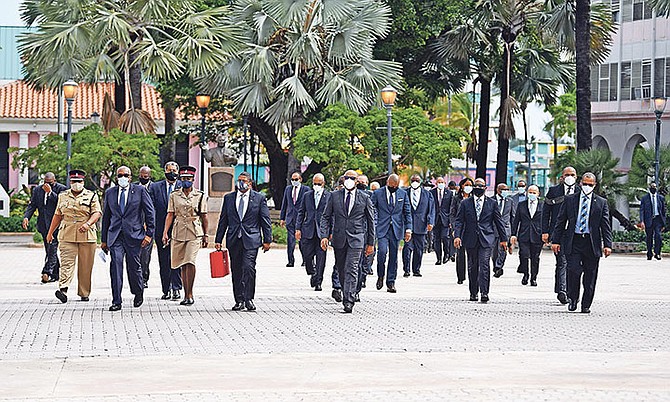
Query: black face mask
{"x": 652, "y": 190}
{"x": 361, "y": 186}
{"x": 171, "y": 176}
{"x": 392, "y": 189}
{"x": 144, "y": 180}
{"x": 478, "y": 191}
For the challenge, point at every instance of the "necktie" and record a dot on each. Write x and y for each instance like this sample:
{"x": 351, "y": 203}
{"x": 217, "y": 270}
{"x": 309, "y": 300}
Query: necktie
{"x": 479, "y": 207}
{"x": 317, "y": 196}
{"x": 240, "y": 208}
{"x": 439, "y": 197}
{"x": 532, "y": 209}
{"x": 295, "y": 194}
{"x": 122, "y": 200}
{"x": 583, "y": 214}
{"x": 347, "y": 201}
{"x": 391, "y": 203}
{"x": 415, "y": 201}
{"x": 170, "y": 189}
{"x": 500, "y": 203}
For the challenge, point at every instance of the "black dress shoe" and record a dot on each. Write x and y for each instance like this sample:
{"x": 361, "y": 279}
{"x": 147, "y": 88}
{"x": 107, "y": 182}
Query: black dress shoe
{"x": 184, "y": 302}
{"x": 572, "y": 306}
{"x": 438, "y": 263}
{"x": 405, "y": 275}
{"x": 191, "y": 302}
{"x": 53, "y": 280}
{"x": 658, "y": 257}
{"x": 337, "y": 295}
{"x": 317, "y": 288}
{"x": 175, "y": 295}
{"x": 302, "y": 264}
{"x": 139, "y": 299}
{"x": 460, "y": 282}
{"x": 473, "y": 298}
{"x": 485, "y": 298}
{"x": 563, "y": 298}
{"x": 84, "y": 298}
{"x": 348, "y": 307}
{"x": 249, "y": 305}
{"x": 380, "y": 282}
{"x": 453, "y": 259}
{"x": 519, "y": 271}
{"x": 417, "y": 274}
{"x": 524, "y": 280}
{"x": 62, "y": 296}
{"x": 586, "y": 310}
{"x": 238, "y": 306}
{"x": 498, "y": 273}
{"x": 648, "y": 258}
{"x": 312, "y": 281}
{"x": 166, "y": 296}
{"x": 391, "y": 289}
{"x": 115, "y": 307}
{"x": 533, "y": 282}
{"x": 363, "y": 285}
{"x": 289, "y": 265}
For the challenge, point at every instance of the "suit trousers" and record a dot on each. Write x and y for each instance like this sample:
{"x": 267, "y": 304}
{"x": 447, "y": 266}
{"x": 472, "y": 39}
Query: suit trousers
{"x": 461, "y": 264}
{"x": 388, "y": 246}
{"x": 412, "y": 253}
{"x": 499, "y": 256}
{"x": 654, "y": 239}
{"x": 308, "y": 248}
{"x": 145, "y": 260}
{"x": 82, "y": 254}
{"x": 243, "y": 270}
{"x": 51, "y": 262}
{"x": 170, "y": 278}
{"x": 479, "y": 269}
{"x": 131, "y": 250}
{"x": 363, "y": 264}
{"x": 530, "y": 252}
{"x": 560, "y": 277}
{"x": 582, "y": 265}
{"x": 441, "y": 240}
{"x": 335, "y": 278}
{"x": 347, "y": 261}
{"x": 290, "y": 243}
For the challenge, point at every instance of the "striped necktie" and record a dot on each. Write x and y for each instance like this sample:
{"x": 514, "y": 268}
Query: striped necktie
{"x": 584, "y": 214}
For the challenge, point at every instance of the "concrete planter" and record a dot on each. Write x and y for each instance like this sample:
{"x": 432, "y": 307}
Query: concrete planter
{"x": 17, "y": 238}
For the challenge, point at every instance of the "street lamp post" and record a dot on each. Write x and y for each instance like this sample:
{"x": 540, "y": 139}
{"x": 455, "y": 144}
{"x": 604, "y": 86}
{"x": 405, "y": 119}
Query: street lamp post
{"x": 244, "y": 141}
{"x": 70, "y": 89}
{"x": 659, "y": 108}
{"x": 388, "y": 95}
{"x": 203, "y": 103}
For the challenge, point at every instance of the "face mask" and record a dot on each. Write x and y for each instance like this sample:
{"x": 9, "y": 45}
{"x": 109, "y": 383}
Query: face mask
{"x": 652, "y": 190}
{"x": 124, "y": 182}
{"x": 361, "y": 186}
{"x": 441, "y": 186}
{"x": 171, "y": 176}
{"x": 467, "y": 189}
{"x": 392, "y": 189}
{"x": 587, "y": 189}
{"x": 521, "y": 190}
{"x": 570, "y": 180}
{"x": 532, "y": 197}
{"x": 415, "y": 184}
{"x": 187, "y": 184}
{"x": 505, "y": 193}
{"x": 317, "y": 187}
{"x": 144, "y": 180}
{"x": 478, "y": 191}
{"x": 349, "y": 184}
{"x": 241, "y": 186}
{"x": 77, "y": 187}
{"x": 295, "y": 183}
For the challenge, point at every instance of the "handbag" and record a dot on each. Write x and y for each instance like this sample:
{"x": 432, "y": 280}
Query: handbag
{"x": 219, "y": 263}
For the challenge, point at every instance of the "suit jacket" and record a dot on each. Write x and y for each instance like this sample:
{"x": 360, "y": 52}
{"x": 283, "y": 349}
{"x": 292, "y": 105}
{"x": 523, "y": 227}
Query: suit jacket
{"x": 442, "y": 211}
{"x": 486, "y": 230}
{"x": 137, "y": 220}
{"x": 254, "y": 224}
{"x": 528, "y": 229}
{"x": 600, "y": 227}
{"x": 508, "y": 212}
{"x": 424, "y": 214}
{"x": 552, "y": 204}
{"x": 309, "y": 215}
{"x": 397, "y": 217}
{"x": 45, "y": 212}
{"x": 647, "y": 210}
{"x": 289, "y": 211}
{"x": 159, "y": 196}
{"x": 356, "y": 228}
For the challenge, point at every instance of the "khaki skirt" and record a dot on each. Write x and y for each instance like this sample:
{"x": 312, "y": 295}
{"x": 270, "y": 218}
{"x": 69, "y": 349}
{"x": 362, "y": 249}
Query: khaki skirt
{"x": 184, "y": 252}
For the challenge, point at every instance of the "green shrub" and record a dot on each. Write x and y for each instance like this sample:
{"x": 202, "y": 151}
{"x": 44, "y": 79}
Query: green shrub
{"x": 13, "y": 224}
{"x": 640, "y": 237}
{"x": 279, "y": 234}
{"x": 37, "y": 237}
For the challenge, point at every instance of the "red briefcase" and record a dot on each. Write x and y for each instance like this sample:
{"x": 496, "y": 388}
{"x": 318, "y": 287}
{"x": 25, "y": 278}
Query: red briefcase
{"x": 219, "y": 263}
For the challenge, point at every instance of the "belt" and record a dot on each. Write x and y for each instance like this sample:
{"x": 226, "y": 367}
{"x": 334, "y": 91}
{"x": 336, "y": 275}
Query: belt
{"x": 583, "y": 235}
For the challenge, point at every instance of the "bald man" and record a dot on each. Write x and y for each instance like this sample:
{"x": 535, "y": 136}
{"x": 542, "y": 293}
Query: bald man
{"x": 308, "y": 230}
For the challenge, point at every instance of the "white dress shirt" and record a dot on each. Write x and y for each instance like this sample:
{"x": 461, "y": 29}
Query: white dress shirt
{"x": 246, "y": 201}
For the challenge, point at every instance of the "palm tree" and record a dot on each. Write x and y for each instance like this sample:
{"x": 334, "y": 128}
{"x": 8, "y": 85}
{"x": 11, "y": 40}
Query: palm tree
{"x": 300, "y": 56}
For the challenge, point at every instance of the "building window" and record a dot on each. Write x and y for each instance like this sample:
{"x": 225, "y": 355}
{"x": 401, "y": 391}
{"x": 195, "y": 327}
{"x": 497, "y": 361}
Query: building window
{"x": 626, "y": 74}
{"x": 633, "y": 10}
{"x": 604, "y": 82}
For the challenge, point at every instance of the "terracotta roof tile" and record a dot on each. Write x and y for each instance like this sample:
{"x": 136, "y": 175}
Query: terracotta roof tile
{"x": 19, "y": 101}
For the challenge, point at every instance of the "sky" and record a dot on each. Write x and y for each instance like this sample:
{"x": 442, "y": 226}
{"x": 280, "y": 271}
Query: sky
{"x": 10, "y": 13}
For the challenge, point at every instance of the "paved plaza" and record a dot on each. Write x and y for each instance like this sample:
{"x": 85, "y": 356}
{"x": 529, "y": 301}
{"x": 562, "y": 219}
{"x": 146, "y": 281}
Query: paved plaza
{"x": 424, "y": 343}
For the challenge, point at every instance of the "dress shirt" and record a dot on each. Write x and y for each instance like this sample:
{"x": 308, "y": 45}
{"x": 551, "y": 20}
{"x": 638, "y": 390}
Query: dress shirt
{"x": 246, "y": 201}
{"x": 588, "y": 212}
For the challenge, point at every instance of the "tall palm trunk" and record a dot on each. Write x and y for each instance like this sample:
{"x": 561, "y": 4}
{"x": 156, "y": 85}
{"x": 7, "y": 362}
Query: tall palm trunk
{"x": 484, "y": 112}
{"x": 278, "y": 159}
{"x": 293, "y": 163}
{"x": 135, "y": 78}
{"x": 506, "y": 130}
{"x": 120, "y": 94}
{"x": 583, "y": 68}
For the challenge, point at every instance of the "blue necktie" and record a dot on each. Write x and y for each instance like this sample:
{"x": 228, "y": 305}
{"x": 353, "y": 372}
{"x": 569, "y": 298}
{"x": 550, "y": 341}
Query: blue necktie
{"x": 391, "y": 201}
{"x": 170, "y": 189}
{"x": 122, "y": 201}
{"x": 583, "y": 214}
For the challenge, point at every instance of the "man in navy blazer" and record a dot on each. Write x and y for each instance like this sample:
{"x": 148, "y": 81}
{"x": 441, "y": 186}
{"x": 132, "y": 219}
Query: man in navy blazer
{"x": 527, "y": 232}
{"x": 293, "y": 196}
{"x": 44, "y": 199}
{"x": 478, "y": 227}
{"x": 442, "y": 230}
{"x": 245, "y": 220}
{"x": 160, "y": 195}
{"x": 128, "y": 224}
{"x": 349, "y": 218}
{"x": 393, "y": 219}
{"x": 308, "y": 230}
{"x": 652, "y": 220}
{"x": 583, "y": 233}
{"x": 422, "y": 207}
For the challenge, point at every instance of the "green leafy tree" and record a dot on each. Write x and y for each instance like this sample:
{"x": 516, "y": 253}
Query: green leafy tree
{"x": 562, "y": 125}
{"x": 641, "y": 171}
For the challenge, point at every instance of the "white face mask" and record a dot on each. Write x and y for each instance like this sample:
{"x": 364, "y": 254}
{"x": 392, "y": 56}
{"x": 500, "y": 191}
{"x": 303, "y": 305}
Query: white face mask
{"x": 441, "y": 186}
{"x": 587, "y": 189}
{"x": 570, "y": 180}
{"x": 521, "y": 190}
{"x": 467, "y": 189}
{"x": 317, "y": 187}
{"x": 505, "y": 193}
{"x": 124, "y": 182}
{"x": 77, "y": 187}
{"x": 349, "y": 184}
{"x": 532, "y": 197}
{"x": 415, "y": 184}
{"x": 295, "y": 183}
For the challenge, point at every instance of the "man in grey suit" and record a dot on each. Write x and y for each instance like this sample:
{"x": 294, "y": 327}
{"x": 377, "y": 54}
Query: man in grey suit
{"x": 349, "y": 218}
{"x": 507, "y": 208}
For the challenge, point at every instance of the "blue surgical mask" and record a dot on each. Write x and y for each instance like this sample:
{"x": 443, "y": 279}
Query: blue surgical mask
{"x": 532, "y": 197}
{"x": 124, "y": 182}
{"x": 440, "y": 186}
{"x": 187, "y": 184}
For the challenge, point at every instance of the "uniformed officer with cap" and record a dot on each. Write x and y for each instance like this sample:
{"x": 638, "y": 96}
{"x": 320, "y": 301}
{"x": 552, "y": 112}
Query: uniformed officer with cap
{"x": 187, "y": 209}
{"x": 77, "y": 211}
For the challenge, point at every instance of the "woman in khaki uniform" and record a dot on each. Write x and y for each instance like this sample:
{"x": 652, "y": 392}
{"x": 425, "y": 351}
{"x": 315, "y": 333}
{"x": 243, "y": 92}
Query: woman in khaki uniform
{"x": 187, "y": 208}
{"x": 77, "y": 211}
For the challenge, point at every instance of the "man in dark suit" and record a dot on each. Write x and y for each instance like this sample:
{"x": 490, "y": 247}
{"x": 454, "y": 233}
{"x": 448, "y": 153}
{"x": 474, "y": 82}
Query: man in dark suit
{"x": 308, "y": 230}
{"x": 160, "y": 195}
{"x": 44, "y": 199}
{"x": 477, "y": 227}
{"x": 653, "y": 220}
{"x": 584, "y": 233}
{"x": 349, "y": 218}
{"x": 128, "y": 224}
{"x": 518, "y": 196}
{"x": 245, "y": 220}
{"x": 507, "y": 208}
{"x": 365, "y": 264}
{"x": 394, "y": 219}
{"x": 441, "y": 231}
{"x": 527, "y": 233}
{"x": 293, "y": 195}
{"x": 145, "y": 256}
{"x": 552, "y": 204}
{"x": 422, "y": 207}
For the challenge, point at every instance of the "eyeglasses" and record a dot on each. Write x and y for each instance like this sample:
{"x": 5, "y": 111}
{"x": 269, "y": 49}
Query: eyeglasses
{"x": 123, "y": 175}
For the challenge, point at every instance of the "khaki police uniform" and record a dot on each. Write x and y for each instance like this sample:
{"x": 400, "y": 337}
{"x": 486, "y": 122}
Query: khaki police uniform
{"x": 75, "y": 246}
{"x": 186, "y": 227}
